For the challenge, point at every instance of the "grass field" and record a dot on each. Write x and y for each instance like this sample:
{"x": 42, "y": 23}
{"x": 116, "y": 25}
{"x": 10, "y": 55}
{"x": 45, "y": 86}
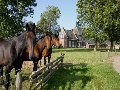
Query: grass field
{"x": 84, "y": 69}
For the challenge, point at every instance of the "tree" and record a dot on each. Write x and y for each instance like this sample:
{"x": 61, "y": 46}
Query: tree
{"x": 11, "y": 15}
{"x": 96, "y": 17}
{"x": 48, "y": 19}
{"x": 112, "y": 20}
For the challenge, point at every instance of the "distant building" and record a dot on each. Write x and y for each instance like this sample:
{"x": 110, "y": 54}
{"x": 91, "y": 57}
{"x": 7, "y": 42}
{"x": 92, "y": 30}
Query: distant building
{"x": 71, "y": 38}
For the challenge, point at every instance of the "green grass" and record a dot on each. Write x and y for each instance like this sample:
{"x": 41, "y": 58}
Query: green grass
{"x": 83, "y": 69}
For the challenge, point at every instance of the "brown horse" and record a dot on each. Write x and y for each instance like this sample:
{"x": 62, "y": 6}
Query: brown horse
{"x": 44, "y": 42}
{"x": 11, "y": 52}
{"x": 46, "y": 52}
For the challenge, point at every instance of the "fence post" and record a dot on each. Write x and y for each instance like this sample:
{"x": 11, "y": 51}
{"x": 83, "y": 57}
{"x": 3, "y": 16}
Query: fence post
{"x": 18, "y": 81}
{"x": 45, "y": 74}
{"x": 62, "y": 59}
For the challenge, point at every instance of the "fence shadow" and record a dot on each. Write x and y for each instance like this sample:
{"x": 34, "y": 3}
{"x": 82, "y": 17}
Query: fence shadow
{"x": 67, "y": 75}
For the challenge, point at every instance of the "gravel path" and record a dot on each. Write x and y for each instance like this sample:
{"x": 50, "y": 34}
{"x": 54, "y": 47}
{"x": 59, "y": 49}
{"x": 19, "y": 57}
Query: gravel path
{"x": 116, "y": 62}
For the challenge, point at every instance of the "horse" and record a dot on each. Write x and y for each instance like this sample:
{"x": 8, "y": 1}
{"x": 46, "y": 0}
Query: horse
{"x": 46, "y": 52}
{"x": 12, "y": 51}
{"x": 43, "y": 42}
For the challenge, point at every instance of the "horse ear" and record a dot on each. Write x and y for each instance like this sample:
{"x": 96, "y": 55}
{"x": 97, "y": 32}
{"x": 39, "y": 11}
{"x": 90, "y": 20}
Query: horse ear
{"x": 27, "y": 27}
{"x": 51, "y": 33}
{"x": 55, "y": 35}
{"x": 47, "y": 33}
{"x": 34, "y": 27}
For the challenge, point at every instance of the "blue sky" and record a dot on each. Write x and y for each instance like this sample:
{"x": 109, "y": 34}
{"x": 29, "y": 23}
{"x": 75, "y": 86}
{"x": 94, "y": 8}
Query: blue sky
{"x": 68, "y": 8}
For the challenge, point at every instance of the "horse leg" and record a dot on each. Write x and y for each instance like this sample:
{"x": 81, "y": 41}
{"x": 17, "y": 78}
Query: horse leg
{"x": 7, "y": 72}
{"x": 40, "y": 64}
{"x": 35, "y": 65}
{"x": 49, "y": 57}
{"x": 44, "y": 60}
{"x": 1, "y": 75}
{"x": 18, "y": 67}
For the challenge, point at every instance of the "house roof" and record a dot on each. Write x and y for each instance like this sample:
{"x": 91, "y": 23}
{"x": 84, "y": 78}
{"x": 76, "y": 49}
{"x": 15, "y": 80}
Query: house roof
{"x": 77, "y": 32}
{"x": 73, "y": 34}
{"x": 89, "y": 41}
{"x": 70, "y": 35}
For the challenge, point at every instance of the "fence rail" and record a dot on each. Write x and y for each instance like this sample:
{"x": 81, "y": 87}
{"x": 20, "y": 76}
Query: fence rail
{"x": 40, "y": 77}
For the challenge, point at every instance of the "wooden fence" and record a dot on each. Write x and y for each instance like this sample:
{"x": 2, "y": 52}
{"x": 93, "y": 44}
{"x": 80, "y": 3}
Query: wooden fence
{"x": 40, "y": 77}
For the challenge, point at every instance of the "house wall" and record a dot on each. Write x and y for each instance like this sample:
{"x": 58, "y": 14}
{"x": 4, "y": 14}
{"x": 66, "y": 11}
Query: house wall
{"x": 90, "y": 45}
{"x": 66, "y": 42}
{"x": 72, "y": 43}
{"x": 76, "y": 43}
{"x": 63, "y": 42}
{"x": 63, "y": 38}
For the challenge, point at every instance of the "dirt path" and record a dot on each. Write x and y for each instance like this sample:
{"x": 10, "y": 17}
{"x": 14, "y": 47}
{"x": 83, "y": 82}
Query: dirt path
{"x": 116, "y": 62}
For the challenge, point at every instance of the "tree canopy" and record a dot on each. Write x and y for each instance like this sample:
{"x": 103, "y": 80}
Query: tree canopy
{"x": 100, "y": 19}
{"x": 48, "y": 19}
{"x": 11, "y": 15}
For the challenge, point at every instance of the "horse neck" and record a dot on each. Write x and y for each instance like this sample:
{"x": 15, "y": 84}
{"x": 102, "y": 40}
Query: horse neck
{"x": 20, "y": 43}
{"x": 53, "y": 42}
{"x": 41, "y": 44}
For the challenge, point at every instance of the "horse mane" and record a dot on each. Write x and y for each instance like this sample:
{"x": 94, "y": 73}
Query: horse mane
{"x": 42, "y": 36}
{"x": 20, "y": 37}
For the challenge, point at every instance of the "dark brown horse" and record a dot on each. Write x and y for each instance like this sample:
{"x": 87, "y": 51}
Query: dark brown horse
{"x": 46, "y": 52}
{"x": 44, "y": 42}
{"x": 11, "y": 52}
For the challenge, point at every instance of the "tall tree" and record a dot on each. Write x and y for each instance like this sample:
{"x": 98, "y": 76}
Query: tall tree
{"x": 96, "y": 17}
{"x": 48, "y": 19}
{"x": 112, "y": 20}
{"x": 11, "y": 15}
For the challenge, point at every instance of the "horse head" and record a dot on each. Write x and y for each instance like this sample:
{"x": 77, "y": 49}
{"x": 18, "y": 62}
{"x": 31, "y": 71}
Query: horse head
{"x": 55, "y": 40}
{"x": 30, "y": 39}
{"x": 48, "y": 39}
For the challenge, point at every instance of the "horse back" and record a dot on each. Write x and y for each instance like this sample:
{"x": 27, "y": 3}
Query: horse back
{"x": 5, "y": 52}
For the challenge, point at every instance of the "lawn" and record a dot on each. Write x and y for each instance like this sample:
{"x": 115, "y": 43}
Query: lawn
{"x": 83, "y": 69}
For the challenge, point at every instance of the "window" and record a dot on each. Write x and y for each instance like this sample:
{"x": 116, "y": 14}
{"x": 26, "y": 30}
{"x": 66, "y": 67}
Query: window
{"x": 72, "y": 43}
{"x": 69, "y": 43}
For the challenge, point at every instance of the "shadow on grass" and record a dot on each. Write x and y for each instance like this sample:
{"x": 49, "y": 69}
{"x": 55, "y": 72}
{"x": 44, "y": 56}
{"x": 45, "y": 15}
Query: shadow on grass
{"x": 69, "y": 77}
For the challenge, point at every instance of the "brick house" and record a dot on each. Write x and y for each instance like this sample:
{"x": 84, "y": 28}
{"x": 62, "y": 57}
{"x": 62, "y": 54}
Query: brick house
{"x": 71, "y": 38}
{"x": 75, "y": 38}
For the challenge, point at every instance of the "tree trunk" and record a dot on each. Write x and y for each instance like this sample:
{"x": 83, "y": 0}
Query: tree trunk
{"x": 95, "y": 45}
{"x": 111, "y": 46}
{"x": 98, "y": 45}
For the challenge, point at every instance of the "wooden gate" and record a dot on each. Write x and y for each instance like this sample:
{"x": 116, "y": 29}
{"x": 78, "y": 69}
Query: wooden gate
{"x": 40, "y": 77}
